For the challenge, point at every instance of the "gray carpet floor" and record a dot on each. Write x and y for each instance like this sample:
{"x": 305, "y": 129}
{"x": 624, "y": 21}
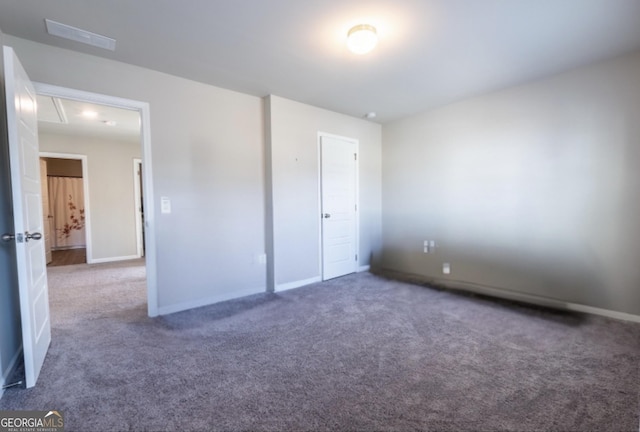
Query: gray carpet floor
{"x": 362, "y": 352}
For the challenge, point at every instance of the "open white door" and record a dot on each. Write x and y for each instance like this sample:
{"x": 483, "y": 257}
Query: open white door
{"x": 22, "y": 127}
{"x": 339, "y": 198}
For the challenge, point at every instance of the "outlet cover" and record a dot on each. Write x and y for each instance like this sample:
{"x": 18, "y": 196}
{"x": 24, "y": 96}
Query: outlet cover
{"x": 446, "y": 268}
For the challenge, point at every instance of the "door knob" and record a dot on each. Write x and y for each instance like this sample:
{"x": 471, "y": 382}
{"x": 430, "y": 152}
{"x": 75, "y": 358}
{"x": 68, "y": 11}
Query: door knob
{"x": 17, "y": 237}
{"x": 326, "y": 215}
{"x": 34, "y": 236}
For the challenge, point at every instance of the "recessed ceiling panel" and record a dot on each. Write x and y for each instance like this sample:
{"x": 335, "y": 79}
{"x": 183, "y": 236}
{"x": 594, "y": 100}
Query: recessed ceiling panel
{"x": 50, "y": 110}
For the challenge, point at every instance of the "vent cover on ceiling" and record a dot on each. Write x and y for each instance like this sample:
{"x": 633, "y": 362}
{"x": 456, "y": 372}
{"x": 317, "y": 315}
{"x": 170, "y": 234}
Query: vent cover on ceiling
{"x": 79, "y": 35}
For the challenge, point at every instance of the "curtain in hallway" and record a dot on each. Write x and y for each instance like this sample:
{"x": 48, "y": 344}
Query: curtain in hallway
{"x": 66, "y": 201}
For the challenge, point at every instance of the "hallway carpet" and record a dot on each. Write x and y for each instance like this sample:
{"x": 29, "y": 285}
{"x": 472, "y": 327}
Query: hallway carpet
{"x": 362, "y": 352}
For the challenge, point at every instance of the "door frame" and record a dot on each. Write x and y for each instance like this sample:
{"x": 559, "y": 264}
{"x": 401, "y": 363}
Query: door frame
{"x": 143, "y": 109}
{"x": 357, "y": 198}
{"x": 137, "y": 162}
{"x": 85, "y": 190}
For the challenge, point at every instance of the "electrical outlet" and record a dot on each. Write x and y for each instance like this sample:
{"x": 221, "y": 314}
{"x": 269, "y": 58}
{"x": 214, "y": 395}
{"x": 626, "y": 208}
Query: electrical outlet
{"x": 430, "y": 246}
{"x": 446, "y": 268}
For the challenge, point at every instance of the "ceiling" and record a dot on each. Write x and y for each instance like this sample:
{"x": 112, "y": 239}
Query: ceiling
{"x": 69, "y": 117}
{"x": 431, "y": 52}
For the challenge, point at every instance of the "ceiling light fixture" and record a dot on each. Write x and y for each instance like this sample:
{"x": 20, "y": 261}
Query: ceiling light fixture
{"x": 362, "y": 38}
{"x": 89, "y": 114}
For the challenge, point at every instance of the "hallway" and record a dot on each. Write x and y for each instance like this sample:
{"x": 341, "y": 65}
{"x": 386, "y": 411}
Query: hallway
{"x": 68, "y": 257}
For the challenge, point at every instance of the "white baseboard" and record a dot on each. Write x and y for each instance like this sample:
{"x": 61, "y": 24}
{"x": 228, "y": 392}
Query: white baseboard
{"x": 111, "y": 259}
{"x": 10, "y": 369}
{"x": 304, "y": 282}
{"x": 297, "y": 284}
{"x": 534, "y": 299}
{"x": 604, "y": 312}
{"x": 165, "y": 310}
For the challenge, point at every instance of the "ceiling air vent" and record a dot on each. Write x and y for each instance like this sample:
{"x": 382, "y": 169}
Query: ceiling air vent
{"x": 79, "y": 35}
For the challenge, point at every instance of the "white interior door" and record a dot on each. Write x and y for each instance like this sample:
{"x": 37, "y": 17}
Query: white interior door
{"x": 44, "y": 187}
{"x": 339, "y": 211}
{"x": 22, "y": 128}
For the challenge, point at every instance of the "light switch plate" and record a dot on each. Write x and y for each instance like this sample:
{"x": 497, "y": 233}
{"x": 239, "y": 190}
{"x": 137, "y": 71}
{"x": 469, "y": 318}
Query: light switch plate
{"x": 165, "y": 205}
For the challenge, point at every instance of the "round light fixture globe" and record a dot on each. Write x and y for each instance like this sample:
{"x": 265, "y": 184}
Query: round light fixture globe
{"x": 362, "y": 38}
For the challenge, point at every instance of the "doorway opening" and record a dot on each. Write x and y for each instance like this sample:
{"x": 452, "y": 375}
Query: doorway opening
{"x": 93, "y": 105}
{"x": 65, "y": 196}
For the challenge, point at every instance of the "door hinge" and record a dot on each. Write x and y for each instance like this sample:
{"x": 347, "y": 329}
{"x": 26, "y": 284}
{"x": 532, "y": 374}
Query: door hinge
{"x": 356, "y": 257}
{"x": 356, "y": 207}
{"x": 355, "y": 156}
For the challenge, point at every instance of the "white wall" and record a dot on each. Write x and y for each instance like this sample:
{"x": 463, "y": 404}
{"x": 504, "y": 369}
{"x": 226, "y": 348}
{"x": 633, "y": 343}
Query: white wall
{"x": 534, "y": 189}
{"x": 111, "y": 189}
{"x": 292, "y": 142}
{"x": 207, "y": 156}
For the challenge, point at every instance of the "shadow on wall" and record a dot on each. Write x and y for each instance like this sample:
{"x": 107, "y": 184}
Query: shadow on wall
{"x": 480, "y": 302}
{"x": 561, "y": 275}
